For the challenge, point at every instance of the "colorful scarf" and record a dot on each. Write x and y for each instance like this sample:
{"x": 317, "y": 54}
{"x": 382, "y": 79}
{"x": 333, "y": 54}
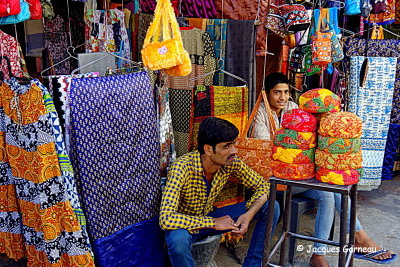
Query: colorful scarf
{"x": 299, "y": 120}
{"x": 340, "y": 162}
{"x": 341, "y": 124}
{"x": 319, "y": 100}
{"x": 291, "y": 155}
{"x": 292, "y": 139}
{"x": 336, "y": 145}
{"x": 338, "y": 177}
{"x": 293, "y": 171}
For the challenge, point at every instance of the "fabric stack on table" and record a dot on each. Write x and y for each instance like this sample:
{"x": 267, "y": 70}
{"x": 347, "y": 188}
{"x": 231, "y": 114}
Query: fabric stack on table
{"x": 293, "y": 152}
{"x": 338, "y": 156}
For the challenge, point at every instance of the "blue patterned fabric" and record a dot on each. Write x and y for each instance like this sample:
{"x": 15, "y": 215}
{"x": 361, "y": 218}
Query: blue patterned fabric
{"x": 391, "y": 156}
{"x": 217, "y": 29}
{"x": 373, "y": 104}
{"x": 116, "y": 150}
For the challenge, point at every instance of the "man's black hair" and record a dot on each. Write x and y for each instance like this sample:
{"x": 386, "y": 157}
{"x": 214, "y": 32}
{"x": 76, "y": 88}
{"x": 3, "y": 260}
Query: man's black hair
{"x": 213, "y": 131}
{"x": 273, "y": 79}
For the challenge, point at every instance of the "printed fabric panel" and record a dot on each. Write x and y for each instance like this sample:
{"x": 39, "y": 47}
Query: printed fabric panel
{"x": 373, "y": 104}
{"x": 115, "y": 139}
{"x": 38, "y": 219}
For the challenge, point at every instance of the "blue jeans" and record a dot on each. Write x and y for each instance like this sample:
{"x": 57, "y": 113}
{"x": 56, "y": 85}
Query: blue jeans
{"x": 179, "y": 242}
{"x": 327, "y": 202}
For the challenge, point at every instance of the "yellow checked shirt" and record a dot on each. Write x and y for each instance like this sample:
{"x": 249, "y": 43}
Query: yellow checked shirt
{"x": 185, "y": 203}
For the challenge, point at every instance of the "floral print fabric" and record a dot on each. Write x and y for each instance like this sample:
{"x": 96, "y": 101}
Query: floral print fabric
{"x": 299, "y": 120}
{"x": 319, "y": 100}
{"x": 346, "y": 177}
{"x": 341, "y": 124}
{"x": 293, "y": 171}
{"x": 292, "y": 139}
{"x": 8, "y": 48}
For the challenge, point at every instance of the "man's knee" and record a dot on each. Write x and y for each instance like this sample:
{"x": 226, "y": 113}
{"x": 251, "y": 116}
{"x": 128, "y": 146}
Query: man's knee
{"x": 277, "y": 210}
{"x": 178, "y": 241}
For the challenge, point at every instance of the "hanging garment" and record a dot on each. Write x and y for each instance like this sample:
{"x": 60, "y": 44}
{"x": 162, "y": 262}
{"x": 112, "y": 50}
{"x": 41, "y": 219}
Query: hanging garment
{"x": 166, "y": 133}
{"x": 116, "y": 159}
{"x": 38, "y": 218}
{"x": 387, "y": 17}
{"x": 55, "y": 34}
{"x": 373, "y": 104}
{"x": 8, "y": 48}
{"x": 240, "y": 37}
{"x": 143, "y": 25}
{"x": 34, "y": 32}
{"x": 106, "y": 32}
{"x": 199, "y": 46}
{"x": 391, "y": 155}
{"x": 217, "y": 29}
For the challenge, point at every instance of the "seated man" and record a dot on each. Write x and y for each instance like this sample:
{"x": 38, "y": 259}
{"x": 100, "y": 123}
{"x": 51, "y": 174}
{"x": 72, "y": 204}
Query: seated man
{"x": 195, "y": 180}
{"x": 277, "y": 88}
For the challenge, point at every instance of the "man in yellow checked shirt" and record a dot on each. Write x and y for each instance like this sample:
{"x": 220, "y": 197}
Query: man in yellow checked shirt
{"x": 277, "y": 89}
{"x": 195, "y": 180}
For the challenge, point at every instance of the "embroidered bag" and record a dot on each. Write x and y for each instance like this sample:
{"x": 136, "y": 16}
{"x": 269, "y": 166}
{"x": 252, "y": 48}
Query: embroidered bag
{"x": 321, "y": 45}
{"x": 296, "y": 60}
{"x": 163, "y": 47}
{"x": 275, "y": 21}
{"x": 257, "y": 152}
{"x": 336, "y": 48}
{"x": 23, "y": 15}
{"x": 9, "y": 7}
{"x": 295, "y": 17}
{"x": 35, "y": 7}
{"x": 308, "y": 67}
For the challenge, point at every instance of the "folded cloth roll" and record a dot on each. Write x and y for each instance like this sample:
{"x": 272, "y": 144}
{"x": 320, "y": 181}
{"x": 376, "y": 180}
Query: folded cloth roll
{"x": 299, "y": 120}
{"x": 292, "y": 155}
{"x": 319, "y": 100}
{"x": 341, "y": 124}
{"x": 339, "y": 177}
{"x": 293, "y": 171}
{"x": 337, "y": 145}
{"x": 340, "y": 162}
{"x": 289, "y": 138}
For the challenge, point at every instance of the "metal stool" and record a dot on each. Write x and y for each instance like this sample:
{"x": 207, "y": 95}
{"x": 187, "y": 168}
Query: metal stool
{"x": 345, "y": 259}
{"x": 204, "y": 251}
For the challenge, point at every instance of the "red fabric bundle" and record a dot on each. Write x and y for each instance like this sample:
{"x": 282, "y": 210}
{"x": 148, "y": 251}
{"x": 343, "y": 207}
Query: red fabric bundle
{"x": 289, "y": 171}
{"x": 292, "y": 139}
{"x": 293, "y": 155}
{"x": 341, "y": 124}
{"x": 299, "y": 120}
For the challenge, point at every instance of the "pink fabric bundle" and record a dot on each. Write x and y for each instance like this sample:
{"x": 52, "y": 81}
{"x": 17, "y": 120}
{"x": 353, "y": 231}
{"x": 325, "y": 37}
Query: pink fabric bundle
{"x": 347, "y": 177}
{"x": 299, "y": 120}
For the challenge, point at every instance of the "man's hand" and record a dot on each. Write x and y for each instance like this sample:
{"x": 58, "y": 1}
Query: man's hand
{"x": 225, "y": 223}
{"x": 242, "y": 223}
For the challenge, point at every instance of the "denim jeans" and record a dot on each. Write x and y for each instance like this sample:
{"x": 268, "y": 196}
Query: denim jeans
{"x": 179, "y": 242}
{"x": 327, "y": 202}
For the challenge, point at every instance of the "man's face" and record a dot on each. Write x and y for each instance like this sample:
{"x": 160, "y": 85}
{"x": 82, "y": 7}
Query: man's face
{"x": 224, "y": 153}
{"x": 278, "y": 97}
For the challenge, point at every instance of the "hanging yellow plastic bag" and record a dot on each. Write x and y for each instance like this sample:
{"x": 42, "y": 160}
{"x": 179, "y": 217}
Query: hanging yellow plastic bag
{"x": 163, "y": 47}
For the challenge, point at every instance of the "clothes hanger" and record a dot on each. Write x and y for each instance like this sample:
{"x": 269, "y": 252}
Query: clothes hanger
{"x": 70, "y": 55}
{"x": 374, "y": 27}
{"x": 341, "y": 4}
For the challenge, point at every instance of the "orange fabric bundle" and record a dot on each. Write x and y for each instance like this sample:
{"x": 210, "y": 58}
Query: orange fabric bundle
{"x": 292, "y": 139}
{"x": 319, "y": 100}
{"x": 292, "y": 155}
{"x": 341, "y": 124}
{"x": 299, "y": 120}
{"x": 338, "y": 161}
{"x": 339, "y": 177}
{"x": 293, "y": 171}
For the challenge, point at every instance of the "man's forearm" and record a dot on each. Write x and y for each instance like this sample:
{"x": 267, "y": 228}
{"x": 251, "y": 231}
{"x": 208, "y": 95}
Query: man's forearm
{"x": 256, "y": 205}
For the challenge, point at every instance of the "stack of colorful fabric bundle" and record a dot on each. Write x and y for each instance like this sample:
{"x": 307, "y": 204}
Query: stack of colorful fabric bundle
{"x": 293, "y": 152}
{"x": 338, "y": 156}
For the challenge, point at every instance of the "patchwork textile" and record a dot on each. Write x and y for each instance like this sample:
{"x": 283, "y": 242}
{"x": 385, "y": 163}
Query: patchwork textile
{"x": 337, "y": 145}
{"x": 341, "y": 124}
{"x": 114, "y": 134}
{"x": 373, "y": 104}
{"x": 319, "y": 100}
{"x": 293, "y": 171}
{"x": 299, "y": 120}
{"x": 346, "y": 177}
{"x": 291, "y": 155}
{"x": 338, "y": 161}
{"x": 292, "y": 139}
{"x": 379, "y": 48}
{"x": 37, "y": 217}
{"x": 228, "y": 103}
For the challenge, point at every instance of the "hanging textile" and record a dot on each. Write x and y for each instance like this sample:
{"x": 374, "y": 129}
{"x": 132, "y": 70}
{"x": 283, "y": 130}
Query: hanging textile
{"x": 373, "y": 104}
{"x": 106, "y": 32}
{"x": 387, "y": 17}
{"x": 116, "y": 159}
{"x": 38, "y": 218}
{"x": 144, "y": 23}
{"x": 55, "y": 34}
{"x": 34, "y": 32}
{"x": 240, "y": 37}
{"x": 391, "y": 155}
{"x": 166, "y": 133}
{"x": 8, "y": 48}
{"x": 217, "y": 29}
{"x": 198, "y": 23}
{"x": 199, "y": 46}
